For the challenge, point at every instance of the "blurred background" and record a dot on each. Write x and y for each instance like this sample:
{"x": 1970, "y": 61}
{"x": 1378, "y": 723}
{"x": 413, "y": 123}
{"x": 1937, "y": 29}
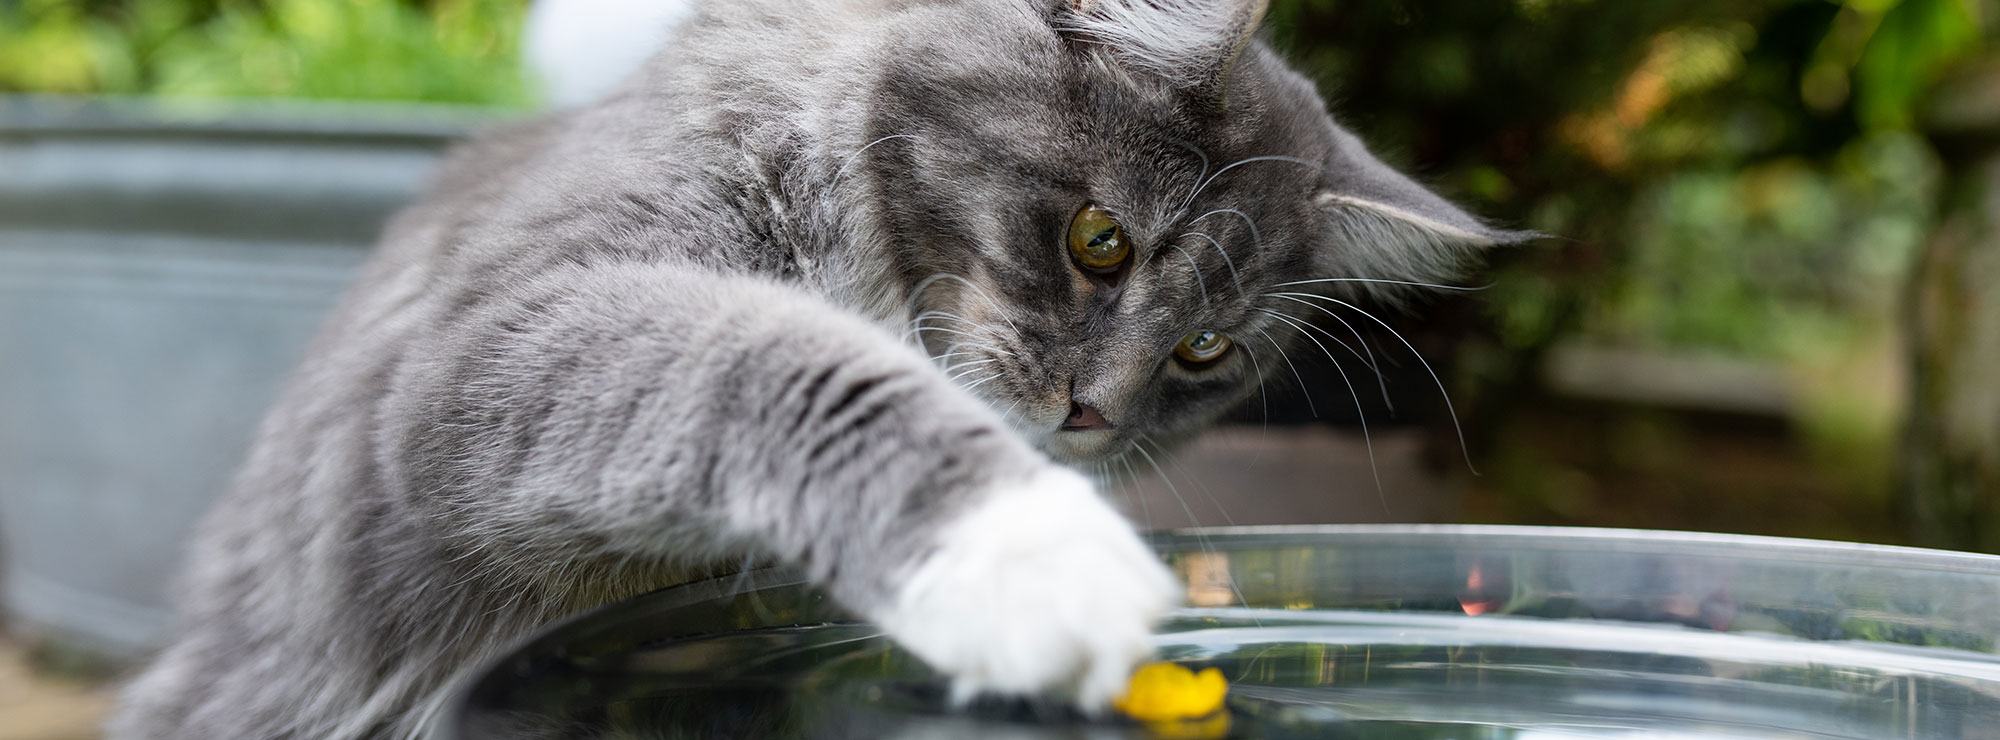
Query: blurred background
{"x": 1766, "y": 306}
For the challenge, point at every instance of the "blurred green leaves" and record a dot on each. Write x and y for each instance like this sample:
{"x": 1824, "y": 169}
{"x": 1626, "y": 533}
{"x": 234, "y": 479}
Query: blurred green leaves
{"x": 459, "y": 51}
{"x": 1781, "y": 258}
{"x": 1740, "y": 178}
{"x": 1731, "y": 176}
{"x": 1914, "y": 42}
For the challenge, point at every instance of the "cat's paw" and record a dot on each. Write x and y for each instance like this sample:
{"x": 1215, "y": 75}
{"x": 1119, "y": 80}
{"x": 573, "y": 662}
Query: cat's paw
{"x": 1040, "y": 587}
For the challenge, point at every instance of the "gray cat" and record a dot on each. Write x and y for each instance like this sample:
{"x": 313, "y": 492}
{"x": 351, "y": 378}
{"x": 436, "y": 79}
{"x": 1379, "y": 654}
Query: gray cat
{"x": 847, "y": 284}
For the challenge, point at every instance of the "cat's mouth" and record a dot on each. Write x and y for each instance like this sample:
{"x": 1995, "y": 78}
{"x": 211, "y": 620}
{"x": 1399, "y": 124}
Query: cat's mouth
{"x": 1080, "y": 447}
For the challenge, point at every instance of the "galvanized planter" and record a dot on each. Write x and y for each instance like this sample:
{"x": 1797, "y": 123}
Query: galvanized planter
{"x": 161, "y": 269}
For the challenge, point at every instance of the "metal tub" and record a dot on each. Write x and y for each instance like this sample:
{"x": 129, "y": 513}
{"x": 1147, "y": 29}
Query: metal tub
{"x": 161, "y": 269}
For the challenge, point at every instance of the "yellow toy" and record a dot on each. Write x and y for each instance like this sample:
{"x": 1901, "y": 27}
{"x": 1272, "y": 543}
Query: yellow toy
{"x": 1165, "y": 692}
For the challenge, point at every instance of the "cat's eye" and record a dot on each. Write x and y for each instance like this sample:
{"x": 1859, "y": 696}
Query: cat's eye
{"x": 1096, "y": 241}
{"x": 1202, "y": 346}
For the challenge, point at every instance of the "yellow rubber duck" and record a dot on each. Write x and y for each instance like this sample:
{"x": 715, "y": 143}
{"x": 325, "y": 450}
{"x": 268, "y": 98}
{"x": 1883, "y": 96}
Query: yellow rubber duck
{"x": 1175, "y": 702}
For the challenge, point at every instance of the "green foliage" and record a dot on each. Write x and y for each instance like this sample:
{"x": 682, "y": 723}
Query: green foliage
{"x": 1777, "y": 258}
{"x": 1732, "y": 177}
{"x": 1730, "y": 172}
{"x": 50, "y": 46}
{"x": 460, "y": 51}
{"x": 1916, "y": 40}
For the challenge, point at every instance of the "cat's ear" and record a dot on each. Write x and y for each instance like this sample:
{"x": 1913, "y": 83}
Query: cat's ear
{"x": 1191, "y": 44}
{"x": 1385, "y": 226}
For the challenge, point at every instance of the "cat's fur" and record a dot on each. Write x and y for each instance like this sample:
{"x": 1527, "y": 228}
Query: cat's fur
{"x": 704, "y": 321}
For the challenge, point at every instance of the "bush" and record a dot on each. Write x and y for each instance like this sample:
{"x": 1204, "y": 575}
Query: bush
{"x": 456, "y": 51}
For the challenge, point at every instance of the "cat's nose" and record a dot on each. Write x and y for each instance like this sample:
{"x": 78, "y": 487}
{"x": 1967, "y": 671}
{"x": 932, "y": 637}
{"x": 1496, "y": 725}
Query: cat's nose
{"x": 1084, "y": 417}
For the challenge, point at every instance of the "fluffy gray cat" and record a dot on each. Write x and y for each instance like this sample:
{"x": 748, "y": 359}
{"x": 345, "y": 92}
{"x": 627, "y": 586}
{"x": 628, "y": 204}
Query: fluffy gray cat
{"x": 846, "y": 284}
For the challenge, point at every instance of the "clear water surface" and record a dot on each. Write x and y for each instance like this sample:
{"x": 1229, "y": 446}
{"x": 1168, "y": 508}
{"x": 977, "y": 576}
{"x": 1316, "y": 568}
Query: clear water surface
{"x": 1469, "y": 633}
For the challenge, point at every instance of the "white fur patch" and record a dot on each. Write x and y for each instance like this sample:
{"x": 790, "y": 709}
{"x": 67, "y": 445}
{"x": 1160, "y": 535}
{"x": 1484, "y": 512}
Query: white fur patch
{"x": 1041, "y": 587}
{"x": 1181, "y": 40}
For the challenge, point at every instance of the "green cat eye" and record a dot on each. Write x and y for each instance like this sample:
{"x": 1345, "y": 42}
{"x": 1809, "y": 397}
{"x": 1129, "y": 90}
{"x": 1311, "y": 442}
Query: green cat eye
{"x": 1202, "y": 346}
{"x": 1096, "y": 241}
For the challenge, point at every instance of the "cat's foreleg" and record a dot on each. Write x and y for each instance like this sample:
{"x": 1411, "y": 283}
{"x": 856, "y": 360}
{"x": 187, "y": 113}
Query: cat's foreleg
{"x": 653, "y": 411}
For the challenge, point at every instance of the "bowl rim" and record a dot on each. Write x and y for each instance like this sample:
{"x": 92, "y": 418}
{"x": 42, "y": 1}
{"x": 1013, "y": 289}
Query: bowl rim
{"x": 1606, "y": 539}
{"x": 446, "y": 723}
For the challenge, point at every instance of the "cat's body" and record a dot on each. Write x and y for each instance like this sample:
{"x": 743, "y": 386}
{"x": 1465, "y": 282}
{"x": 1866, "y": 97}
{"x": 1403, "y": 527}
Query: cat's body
{"x": 672, "y": 331}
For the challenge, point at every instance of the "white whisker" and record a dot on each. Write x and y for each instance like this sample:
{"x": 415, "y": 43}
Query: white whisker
{"x": 1189, "y": 475}
{"x": 1256, "y": 238}
{"x": 1380, "y": 379}
{"x": 1241, "y": 162}
{"x": 855, "y": 158}
{"x": 1233, "y": 277}
{"x": 917, "y": 294}
{"x": 919, "y": 319}
{"x": 948, "y": 355}
{"x": 922, "y": 329}
{"x": 1138, "y": 444}
{"x": 1366, "y": 440}
{"x": 1133, "y": 477}
{"x": 1196, "y": 269}
{"x": 958, "y": 371}
{"x": 1264, "y": 401}
{"x": 1295, "y": 371}
{"x": 1368, "y": 360}
{"x": 1203, "y": 177}
{"x": 1139, "y": 447}
{"x": 980, "y": 382}
{"x": 1456, "y": 427}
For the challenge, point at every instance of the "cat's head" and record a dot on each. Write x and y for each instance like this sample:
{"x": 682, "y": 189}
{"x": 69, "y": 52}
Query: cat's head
{"x": 1108, "y": 211}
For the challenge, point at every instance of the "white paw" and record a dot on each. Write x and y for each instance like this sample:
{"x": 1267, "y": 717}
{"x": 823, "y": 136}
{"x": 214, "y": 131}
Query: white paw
{"x": 1041, "y": 586}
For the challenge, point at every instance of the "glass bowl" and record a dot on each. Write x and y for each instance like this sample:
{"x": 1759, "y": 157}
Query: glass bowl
{"x": 1467, "y": 632}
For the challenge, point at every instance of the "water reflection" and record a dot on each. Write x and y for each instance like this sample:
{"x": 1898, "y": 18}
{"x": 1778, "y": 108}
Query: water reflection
{"x": 1402, "y": 636}
{"x": 1209, "y": 582}
{"x": 1483, "y": 594}
{"x": 1294, "y": 675}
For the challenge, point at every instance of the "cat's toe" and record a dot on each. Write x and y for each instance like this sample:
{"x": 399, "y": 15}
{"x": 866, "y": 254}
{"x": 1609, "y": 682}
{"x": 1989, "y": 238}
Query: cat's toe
{"x": 1041, "y": 587}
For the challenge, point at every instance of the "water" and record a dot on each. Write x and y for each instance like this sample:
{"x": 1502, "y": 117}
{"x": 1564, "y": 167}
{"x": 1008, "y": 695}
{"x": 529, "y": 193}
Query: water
{"x": 1342, "y": 675}
{"x": 1364, "y": 674}
{"x": 1350, "y": 637}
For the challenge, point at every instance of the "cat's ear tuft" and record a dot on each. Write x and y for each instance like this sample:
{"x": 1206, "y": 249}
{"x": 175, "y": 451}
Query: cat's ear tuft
{"x": 1191, "y": 44}
{"x": 1385, "y": 226}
